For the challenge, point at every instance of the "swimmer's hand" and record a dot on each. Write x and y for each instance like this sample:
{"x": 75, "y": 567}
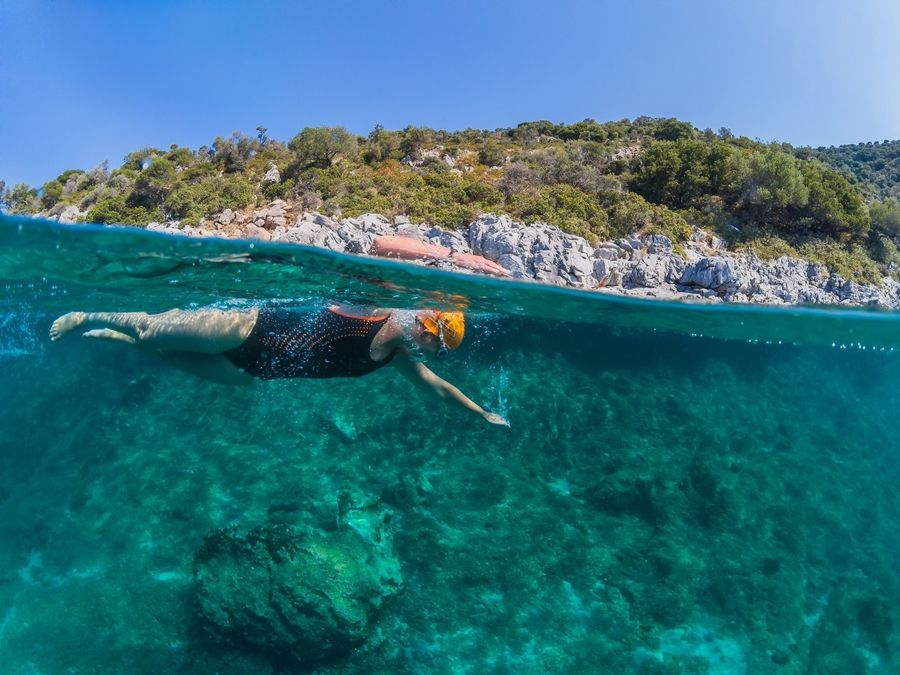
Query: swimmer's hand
{"x": 494, "y": 418}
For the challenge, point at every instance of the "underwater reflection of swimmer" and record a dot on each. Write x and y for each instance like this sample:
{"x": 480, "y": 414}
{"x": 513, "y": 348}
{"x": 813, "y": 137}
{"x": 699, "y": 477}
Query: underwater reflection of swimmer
{"x": 235, "y": 346}
{"x": 407, "y": 248}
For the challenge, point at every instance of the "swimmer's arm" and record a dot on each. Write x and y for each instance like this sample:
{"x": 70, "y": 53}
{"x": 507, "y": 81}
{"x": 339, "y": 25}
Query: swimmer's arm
{"x": 407, "y": 248}
{"x": 398, "y": 246}
{"x": 420, "y": 375}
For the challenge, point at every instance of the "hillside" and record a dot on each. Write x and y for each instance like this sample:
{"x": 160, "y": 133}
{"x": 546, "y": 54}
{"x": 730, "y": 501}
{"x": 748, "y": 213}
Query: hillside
{"x": 875, "y": 164}
{"x": 597, "y": 180}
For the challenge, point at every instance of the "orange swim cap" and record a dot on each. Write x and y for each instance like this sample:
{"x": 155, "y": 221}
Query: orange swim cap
{"x": 452, "y": 324}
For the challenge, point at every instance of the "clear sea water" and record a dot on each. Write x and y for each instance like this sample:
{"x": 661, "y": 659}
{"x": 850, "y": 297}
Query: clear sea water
{"x": 682, "y": 489}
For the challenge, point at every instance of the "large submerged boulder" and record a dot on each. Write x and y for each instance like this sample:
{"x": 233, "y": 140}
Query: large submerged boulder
{"x": 296, "y": 595}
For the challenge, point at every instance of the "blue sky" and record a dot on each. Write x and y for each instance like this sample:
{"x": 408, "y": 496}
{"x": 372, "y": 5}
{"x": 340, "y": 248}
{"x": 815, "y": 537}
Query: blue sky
{"x": 84, "y": 81}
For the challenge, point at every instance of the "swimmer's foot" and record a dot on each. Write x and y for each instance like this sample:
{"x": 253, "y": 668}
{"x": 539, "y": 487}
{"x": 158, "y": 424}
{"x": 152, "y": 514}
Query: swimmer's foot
{"x": 66, "y": 323}
{"x": 109, "y": 334}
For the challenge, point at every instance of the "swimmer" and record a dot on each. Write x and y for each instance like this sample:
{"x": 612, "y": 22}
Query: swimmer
{"x": 238, "y": 346}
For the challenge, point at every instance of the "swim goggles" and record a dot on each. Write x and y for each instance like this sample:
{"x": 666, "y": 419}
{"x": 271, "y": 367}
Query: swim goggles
{"x": 442, "y": 349}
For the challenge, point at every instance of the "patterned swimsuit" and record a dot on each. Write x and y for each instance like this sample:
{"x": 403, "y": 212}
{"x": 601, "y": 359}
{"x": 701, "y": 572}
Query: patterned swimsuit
{"x": 299, "y": 342}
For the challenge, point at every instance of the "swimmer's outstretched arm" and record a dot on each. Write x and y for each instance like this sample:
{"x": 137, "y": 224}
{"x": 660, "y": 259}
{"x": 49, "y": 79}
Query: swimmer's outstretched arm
{"x": 419, "y": 374}
{"x": 399, "y": 246}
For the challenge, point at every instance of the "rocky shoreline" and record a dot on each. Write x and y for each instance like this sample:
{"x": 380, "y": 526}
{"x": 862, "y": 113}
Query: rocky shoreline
{"x": 702, "y": 270}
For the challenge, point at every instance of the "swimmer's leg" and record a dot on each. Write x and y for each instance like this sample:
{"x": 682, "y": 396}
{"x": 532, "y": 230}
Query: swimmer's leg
{"x": 214, "y": 367}
{"x": 206, "y": 331}
{"x": 66, "y": 323}
{"x": 109, "y": 334}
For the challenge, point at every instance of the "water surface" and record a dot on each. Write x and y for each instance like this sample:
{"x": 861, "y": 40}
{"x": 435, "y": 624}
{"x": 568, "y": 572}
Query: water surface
{"x": 682, "y": 489}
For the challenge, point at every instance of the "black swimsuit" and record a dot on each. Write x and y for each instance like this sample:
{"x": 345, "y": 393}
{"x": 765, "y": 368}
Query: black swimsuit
{"x": 298, "y": 342}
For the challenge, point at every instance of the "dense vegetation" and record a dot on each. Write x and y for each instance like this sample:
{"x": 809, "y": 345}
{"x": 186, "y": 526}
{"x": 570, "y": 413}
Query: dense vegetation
{"x": 598, "y": 180}
{"x": 874, "y": 164}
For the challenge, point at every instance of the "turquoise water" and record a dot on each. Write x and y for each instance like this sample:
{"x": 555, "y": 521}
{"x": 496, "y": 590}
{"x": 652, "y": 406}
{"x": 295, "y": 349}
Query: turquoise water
{"x": 682, "y": 489}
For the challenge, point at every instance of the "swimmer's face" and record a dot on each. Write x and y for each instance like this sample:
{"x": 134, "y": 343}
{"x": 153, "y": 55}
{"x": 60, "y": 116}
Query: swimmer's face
{"x": 424, "y": 339}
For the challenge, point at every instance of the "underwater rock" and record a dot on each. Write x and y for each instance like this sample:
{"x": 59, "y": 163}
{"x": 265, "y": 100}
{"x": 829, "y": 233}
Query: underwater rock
{"x": 626, "y": 492}
{"x": 295, "y": 595}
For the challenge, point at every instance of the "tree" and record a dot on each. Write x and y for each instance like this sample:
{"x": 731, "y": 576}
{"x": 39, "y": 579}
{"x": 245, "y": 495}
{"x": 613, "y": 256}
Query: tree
{"x": 181, "y": 157}
{"x": 2, "y": 194}
{"x": 232, "y": 154}
{"x": 567, "y": 207}
{"x": 886, "y": 216}
{"x": 677, "y": 173}
{"x": 657, "y": 176}
{"x": 534, "y": 130}
{"x": 525, "y": 134}
{"x": 154, "y": 184}
{"x": 51, "y": 193}
{"x": 190, "y": 202}
{"x": 491, "y": 154}
{"x": 586, "y": 130}
{"x": 774, "y": 181}
{"x": 319, "y": 146}
{"x": 416, "y": 139}
{"x": 140, "y": 159}
{"x": 834, "y": 207}
{"x": 99, "y": 174}
{"x": 116, "y": 210}
{"x": 672, "y": 129}
{"x": 22, "y": 199}
{"x": 381, "y": 145}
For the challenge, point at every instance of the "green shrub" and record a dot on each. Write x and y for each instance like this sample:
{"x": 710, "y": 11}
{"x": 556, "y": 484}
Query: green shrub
{"x": 851, "y": 262}
{"x": 355, "y": 192}
{"x": 232, "y": 154}
{"x": 320, "y": 146}
{"x": 181, "y": 157}
{"x": 444, "y": 199}
{"x": 414, "y": 140}
{"x": 672, "y": 129}
{"x": 435, "y": 194}
{"x": 154, "y": 184}
{"x": 272, "y": 152}
{"x": 580, "y": 165}
{"x": 565, "y": 206}
{"x": 279, "y": 189}
{"x": 199, "y": 171}
{"x": 767, "y": 247}
{"x": 680, "y": 173}
{"x": 116, "y": 210}
{"x": 22, "y": 199}
{"x": 382, "y": 145}
{"x": 51, "y": 193}
{"x": 137, "y": 160}
{"x": 886, "y": 216}
{"x": 834, "y": 208}
{"x": 189, "y": 202}
{"x": 884, "y": 250}
{"x": 491, "y": 153}
{"x": 629, "y": 212}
